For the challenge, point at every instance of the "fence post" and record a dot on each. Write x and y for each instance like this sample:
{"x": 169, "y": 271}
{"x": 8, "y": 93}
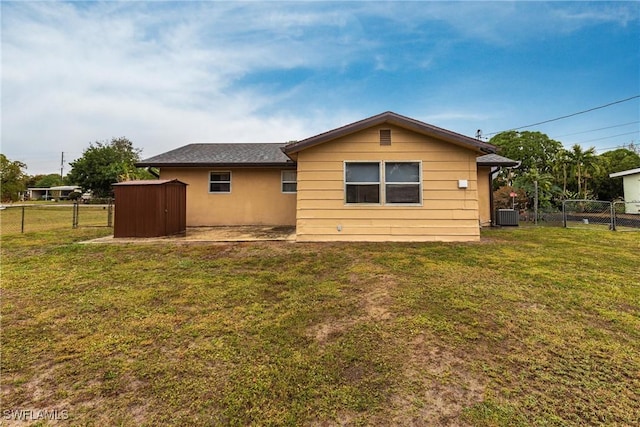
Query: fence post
{"x": 110, "y": 214}
{"x": 22, "y": 221}
{"x": 75, "y": 215}
{"x": 613, "y": 216}
{"x": 564, "y": 214}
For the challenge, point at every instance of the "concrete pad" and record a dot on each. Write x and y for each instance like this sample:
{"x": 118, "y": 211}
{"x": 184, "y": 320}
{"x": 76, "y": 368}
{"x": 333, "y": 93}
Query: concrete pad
{"x": 241, "y": 233}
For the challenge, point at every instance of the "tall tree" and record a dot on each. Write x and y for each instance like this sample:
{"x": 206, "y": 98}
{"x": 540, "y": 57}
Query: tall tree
{"x": 622, "y": 159}
{"x": 532, "y": 149}
{"x": 105, "y": 163}
{"x": 633, "y": 147}
{"x": 583, "y": 162}
{"x": 50, "y": 180}
{"x": 560, "y": 168}
{"x": 12, "y": 178}
{"x": 546, "y": 186}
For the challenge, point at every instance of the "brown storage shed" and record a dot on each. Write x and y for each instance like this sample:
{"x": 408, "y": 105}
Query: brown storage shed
{"x": 150, "y": 208}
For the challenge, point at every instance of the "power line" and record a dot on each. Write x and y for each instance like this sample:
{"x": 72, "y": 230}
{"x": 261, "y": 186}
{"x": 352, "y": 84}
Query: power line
{"x": 626, "y": 146}
{"x": 570, "y": 115}
{"x": 607, "y": 137}
{"x": 595, "y": 130}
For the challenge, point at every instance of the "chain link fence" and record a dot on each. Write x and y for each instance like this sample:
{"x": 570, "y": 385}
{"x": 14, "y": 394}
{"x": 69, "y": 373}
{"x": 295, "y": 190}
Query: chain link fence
{"x": 617, "y": 216}
{"x": 626, "y": 216}
{"x": 549, "y": 217}
{"x": 587, "y": 214}
{"x": 27, "y": 218}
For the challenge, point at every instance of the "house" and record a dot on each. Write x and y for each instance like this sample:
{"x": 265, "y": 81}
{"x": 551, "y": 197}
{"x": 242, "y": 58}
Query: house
{"x": 384, "y": 178}
{"x": 48, "y": 193}
{"x": 631, "y": 184}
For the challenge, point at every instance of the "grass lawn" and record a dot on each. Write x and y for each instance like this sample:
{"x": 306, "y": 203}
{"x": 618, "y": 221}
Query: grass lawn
{"x": 532, "y": 326}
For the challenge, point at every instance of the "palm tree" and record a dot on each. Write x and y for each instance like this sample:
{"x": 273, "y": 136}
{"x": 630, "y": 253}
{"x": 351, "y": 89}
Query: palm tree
{"x": 544, "y": 181}
{"x": 582, "y": 162}
{"x": 560, "y": 166}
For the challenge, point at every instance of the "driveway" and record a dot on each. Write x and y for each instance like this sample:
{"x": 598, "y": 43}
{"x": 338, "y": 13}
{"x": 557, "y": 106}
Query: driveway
{"x": 242, "y": 233}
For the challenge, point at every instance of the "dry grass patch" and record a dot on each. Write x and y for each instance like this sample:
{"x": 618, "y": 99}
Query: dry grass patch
{"x": 534, "y": 326}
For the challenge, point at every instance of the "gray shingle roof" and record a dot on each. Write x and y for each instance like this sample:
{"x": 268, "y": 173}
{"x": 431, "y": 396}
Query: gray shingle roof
{"x": 495, "y": 160}
{"x": 251, "y": 154}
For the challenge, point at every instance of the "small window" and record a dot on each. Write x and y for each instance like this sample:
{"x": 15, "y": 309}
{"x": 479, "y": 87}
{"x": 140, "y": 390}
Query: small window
{"x": 362, "y": 181}
{"x": 385, "y": 136}
{"x": 289, "y": 181}
{"x": 220, "y": 182}
{"x": 402, "y": 182}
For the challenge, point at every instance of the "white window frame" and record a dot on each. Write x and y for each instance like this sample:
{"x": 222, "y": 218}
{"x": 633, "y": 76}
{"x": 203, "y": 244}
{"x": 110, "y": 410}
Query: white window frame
{"x": 283, "y": 182}
{"x": 220, "y": 182}
{"x": 419, "y": 183}
{"x": 379, "y": 183}
{"x": 383, "y": 184}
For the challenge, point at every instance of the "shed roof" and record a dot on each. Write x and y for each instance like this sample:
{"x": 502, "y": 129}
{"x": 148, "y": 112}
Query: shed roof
{"x": 624, "y": 173}
{"x": 223, "y": 154}
{"x": 392, "y": 118}
{"x": 149, "y": 182}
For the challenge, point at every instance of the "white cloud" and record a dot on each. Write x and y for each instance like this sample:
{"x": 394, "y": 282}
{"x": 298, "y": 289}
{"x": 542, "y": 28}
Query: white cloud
{"x": 579, "y": 15}
{"x": 164, "y": 74}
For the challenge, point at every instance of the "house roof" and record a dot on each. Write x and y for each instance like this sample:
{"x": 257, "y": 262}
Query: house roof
{"x": 65, "y": 187}
{"x": 222, "y": 155}
{"x": 392, "y": 119}
{"x": 624, "y": 173}
{"x": 494, "y": 159}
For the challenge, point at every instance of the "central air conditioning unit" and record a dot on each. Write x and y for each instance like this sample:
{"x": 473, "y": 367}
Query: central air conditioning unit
{"x": 507, "y": 217}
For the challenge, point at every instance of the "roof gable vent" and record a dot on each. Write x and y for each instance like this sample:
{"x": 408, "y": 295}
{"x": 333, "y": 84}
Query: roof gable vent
{"x": 385, "y": 136}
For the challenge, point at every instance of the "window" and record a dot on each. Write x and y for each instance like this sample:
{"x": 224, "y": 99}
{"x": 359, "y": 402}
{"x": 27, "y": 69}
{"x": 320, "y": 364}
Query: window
{"x": 289, "y": 181}
{"x": 362, "y": 182}
{"x": 400, "y": 182}
{"x": 220, "y": 182}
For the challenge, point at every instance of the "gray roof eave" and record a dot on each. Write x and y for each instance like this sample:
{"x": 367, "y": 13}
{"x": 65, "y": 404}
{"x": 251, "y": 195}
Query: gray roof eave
{"x": 288, "y": 164}
{"x": 494, "y": 159}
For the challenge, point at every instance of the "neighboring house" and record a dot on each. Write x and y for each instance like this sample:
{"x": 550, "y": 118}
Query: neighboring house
{"x": 38, "y": 193}
{"x": 60, "y": 192}
{"x": 631, "y": 183}
{"x": 384, "y": 178}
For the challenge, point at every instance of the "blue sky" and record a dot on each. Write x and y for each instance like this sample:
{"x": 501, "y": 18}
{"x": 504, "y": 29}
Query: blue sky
{"x": 164, "y": 74}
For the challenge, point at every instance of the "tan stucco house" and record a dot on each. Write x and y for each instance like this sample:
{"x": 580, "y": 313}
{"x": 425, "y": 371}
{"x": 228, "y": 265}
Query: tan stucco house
{"x": 384, "y": 178}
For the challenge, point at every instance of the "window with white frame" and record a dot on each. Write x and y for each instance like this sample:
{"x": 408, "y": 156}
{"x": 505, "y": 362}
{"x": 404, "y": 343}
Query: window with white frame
{"x": 394, "y": 182}
{"x": 219, "y": 182}
{"x": 289, "y": 181}
{"x": 402, "y": 182}
{"x": 362, "y": 182}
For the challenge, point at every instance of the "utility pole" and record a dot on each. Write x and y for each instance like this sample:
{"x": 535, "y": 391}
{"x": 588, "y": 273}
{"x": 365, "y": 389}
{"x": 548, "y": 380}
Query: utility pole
{"x": 61, "y": 165}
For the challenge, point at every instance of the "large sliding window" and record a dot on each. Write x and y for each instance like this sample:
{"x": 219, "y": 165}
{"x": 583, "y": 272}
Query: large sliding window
{"x": 393, "y": 182}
